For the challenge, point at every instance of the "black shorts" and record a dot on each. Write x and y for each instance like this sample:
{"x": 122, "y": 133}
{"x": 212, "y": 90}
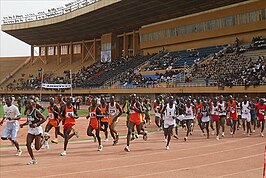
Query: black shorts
{"x": 105, "y": 124}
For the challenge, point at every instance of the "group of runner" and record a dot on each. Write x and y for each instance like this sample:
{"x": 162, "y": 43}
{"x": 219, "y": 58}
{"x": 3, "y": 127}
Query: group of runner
{"x": 170, "y": 114}
{"x": 206, "y": 112}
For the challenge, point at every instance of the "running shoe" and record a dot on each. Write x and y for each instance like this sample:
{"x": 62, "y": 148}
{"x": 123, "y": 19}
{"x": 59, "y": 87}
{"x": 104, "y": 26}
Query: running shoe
{"x": 145, "y": 136}
{"x": 127, "y": 149}
{"x": 19, "y": 152}
{"x": 223, "y": 134}
{"x": 116, "y": 140}
{"x": 100, "y": 148}
{"x": 185, "y": 139}
{"x": 261, "y": 134}
{"x": 132, "y": 137}
{"x": 55, "y": 141}
{"x": 136, "y": 136}
{"x": 254, "y": 131}
{"x": 46, "y": 135}
{"x": 217, "y": 138}
{"x": 117, "y": 137}
{"x": 94, "y": 138}
{"x": 213, "y": 132}
{"x": 175, "y": 136}
{"x": 248, "y": 135}
{"x": 76, "y": 132}
{"x": 203, "y": 134}
{"x": 46, "y": 145}
{"x": 167, "y": 148}
{"x": 31, "y": 162}
{"x": 105, "y": 140}
{"x": 64, "y": 153}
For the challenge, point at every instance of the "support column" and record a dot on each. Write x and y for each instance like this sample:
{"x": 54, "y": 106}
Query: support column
{"x": 134, "y": 43}
{"x": 46, "y": 54}
{"x": 94, "y": 49}
{"x": 82, "y": 51}
{"x": 71, "y": 52}
{"x": 58, "y": 54}
{"x": 32, "y": 53}
{"x": 125, "y": 45}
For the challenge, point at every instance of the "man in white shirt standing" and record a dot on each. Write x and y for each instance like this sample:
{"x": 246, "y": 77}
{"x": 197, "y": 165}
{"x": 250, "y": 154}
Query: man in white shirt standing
{"x": 11, "y": 115}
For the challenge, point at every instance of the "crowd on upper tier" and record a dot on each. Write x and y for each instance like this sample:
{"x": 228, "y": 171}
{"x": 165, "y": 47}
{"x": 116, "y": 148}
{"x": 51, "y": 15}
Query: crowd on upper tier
{"x": 230, "y": 67}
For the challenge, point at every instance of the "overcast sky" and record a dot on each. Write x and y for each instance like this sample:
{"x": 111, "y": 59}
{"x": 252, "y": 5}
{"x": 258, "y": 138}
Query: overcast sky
{"x": 10, "y": 46}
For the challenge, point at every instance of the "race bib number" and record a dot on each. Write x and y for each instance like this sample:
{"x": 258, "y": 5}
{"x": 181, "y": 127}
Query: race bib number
{"x": 92, "y": 114}
{"x": 69, "y": 114}
{"x": 262, "y": 111}
{"x": 30, "y": 119}
{"x": 51, "y": 115}
{"x": 246, "y": 111}
{"x": 112, "y": 112}
{"x": 8, "y": 114}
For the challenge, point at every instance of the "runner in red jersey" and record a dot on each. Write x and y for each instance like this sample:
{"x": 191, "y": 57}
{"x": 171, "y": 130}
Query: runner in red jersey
{"x": 261, "y": 113}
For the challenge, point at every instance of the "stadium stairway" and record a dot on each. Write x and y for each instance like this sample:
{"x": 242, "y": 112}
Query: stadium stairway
{"x": 255, "y": 54}
{"x": 50, "y": 68}
{"x": 10, "y": 65}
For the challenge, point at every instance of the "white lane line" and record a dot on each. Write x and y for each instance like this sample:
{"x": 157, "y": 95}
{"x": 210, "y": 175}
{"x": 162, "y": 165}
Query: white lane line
{"x": 168, "y": 160}
{"x": 131, "y": 156}
{"x": 240, "y": 172}
{"x": 200, "y": 166}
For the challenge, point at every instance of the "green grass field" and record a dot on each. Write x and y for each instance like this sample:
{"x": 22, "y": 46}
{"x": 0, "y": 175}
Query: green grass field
{"x": 81, "y": 112}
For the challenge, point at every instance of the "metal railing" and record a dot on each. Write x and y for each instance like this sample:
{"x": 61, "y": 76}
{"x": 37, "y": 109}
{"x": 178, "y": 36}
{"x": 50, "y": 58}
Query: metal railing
{"x": 54, "y": 12}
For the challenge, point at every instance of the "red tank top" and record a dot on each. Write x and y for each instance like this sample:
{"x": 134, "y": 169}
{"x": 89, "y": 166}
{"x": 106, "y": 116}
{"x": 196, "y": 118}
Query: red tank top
{"x": 69, "y": 115}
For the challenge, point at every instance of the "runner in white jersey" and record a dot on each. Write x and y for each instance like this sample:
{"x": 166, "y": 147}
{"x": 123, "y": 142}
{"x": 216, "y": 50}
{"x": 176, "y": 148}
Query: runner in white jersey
{"x": 157, "y": 108}
{"x": 222, "y": 113}
{"x": 239, "y": 113}
{"x": 215, "y": 117}
{"x": 246, "y": 116}
{"x": 189, "y": 116}
{"x": 169, "y": 111}
{"x": 115, "y": 111}
{"x": 11, "y": 115}
{"x": 205, "y": 118}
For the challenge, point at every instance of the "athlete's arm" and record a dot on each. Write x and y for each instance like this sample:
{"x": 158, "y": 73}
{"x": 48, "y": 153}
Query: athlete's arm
{"x": 162, "y": 110}
{"x": 88, "y": 116}
{"x": 26, "y": 123}
{"x": 120, "y": 110}
{"x": 62, "y": 113}
{"x": 75, "y": 113}
{"x": 194, "y": 109}
{"x": 2, "y": 121}
{"x": 99, "y": 113}
{"x": 56, "y": 112}
{"x": 40, "y": 108}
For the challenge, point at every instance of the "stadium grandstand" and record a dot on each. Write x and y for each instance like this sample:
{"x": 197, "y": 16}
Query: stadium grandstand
{"x": 120, "y": 46}
{"x": 180, "y": 85}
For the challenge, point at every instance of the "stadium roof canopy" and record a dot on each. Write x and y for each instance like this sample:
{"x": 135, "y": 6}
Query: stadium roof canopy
{"x": 107, "y": 16}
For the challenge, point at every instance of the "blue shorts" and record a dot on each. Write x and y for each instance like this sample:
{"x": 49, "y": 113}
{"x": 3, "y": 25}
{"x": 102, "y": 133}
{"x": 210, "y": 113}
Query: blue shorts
{"x": 11, "y": 130}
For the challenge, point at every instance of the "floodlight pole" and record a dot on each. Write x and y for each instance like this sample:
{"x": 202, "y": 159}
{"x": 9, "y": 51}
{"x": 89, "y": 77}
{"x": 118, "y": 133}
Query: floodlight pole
{"x": 41, "y": 84}
{"x": 71, "y": 82}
